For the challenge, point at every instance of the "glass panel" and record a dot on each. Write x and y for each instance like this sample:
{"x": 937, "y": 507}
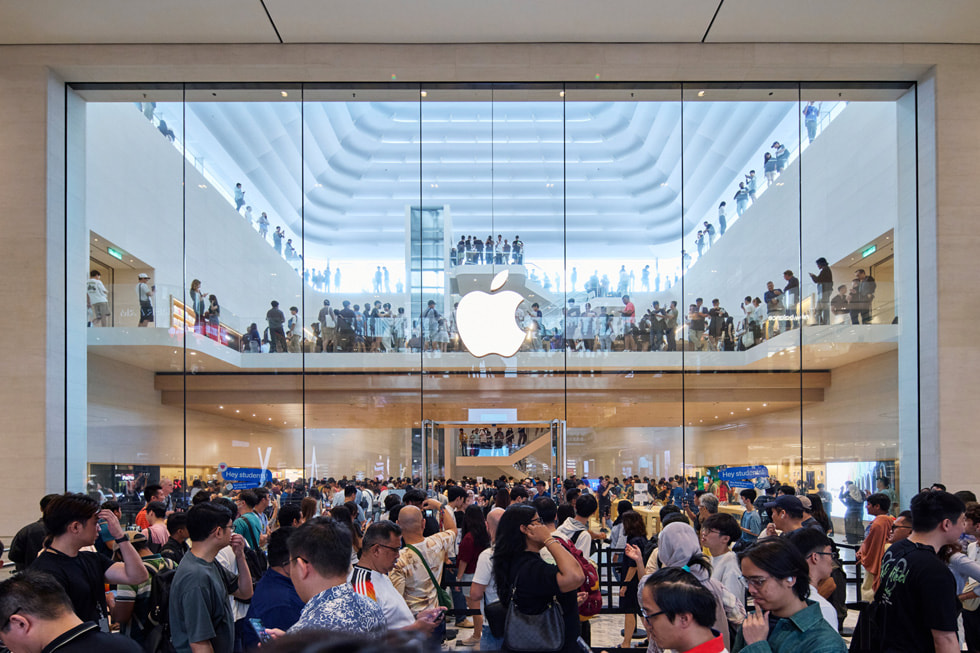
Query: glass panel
{"x": 859, "y": 249}
{"x": 361, "y": 167}
{"x": 492, "y": 168}
{"x": 623, "y": 181}
{"x": 126, "y": 240}
{"x": 246, "y": 373}
{"x": 743, "y": 388}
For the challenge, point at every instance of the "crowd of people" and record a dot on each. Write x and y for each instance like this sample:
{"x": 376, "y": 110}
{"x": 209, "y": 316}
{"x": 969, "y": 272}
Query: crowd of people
{"x": 471, "y": 250}
{"x": 353, "y": 561}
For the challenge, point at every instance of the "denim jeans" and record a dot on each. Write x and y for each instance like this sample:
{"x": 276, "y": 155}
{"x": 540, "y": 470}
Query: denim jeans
{"x": 488, "y": 642}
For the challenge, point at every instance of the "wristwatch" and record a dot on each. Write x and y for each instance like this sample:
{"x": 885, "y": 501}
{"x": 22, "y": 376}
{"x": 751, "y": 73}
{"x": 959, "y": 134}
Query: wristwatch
{"x": 122, "y": 538}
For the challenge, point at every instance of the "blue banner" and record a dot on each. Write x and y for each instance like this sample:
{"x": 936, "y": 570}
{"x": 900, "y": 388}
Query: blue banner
{"x": 246, "y": 477}
{"x": 741, "y": 484}
{"x": 743, "y": 473}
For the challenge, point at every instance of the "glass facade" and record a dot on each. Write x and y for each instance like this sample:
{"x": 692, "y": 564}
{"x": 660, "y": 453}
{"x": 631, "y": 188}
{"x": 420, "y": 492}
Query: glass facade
{"x": 699, "y": 277}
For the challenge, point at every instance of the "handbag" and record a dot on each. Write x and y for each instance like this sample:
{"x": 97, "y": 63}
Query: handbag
{"x": 496, "y": 617}
{"x": 533, "y": 632}
{"x": 444, "y": 597}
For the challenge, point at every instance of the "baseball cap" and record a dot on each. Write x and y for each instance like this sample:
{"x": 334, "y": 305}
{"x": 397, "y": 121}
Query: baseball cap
{"x": 142, "y": 275}
{"x": 137, "y": 538}
{"x": 786, "y": 502}
{"x": 806, "y": 503}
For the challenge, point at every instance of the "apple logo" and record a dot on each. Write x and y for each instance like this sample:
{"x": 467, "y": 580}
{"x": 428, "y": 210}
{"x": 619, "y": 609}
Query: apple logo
{"x": 486, "y": 321}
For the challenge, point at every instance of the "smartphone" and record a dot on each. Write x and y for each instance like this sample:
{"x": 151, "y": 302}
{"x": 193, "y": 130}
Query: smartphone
{"x": 429, "y": 513}
{"x": 259, "y": 629}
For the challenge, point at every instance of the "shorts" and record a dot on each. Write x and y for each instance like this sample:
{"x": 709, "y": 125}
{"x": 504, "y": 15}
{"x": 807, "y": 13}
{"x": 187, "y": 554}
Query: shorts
{"x": 146, "y": 311}
{"x": 100, "y": 310}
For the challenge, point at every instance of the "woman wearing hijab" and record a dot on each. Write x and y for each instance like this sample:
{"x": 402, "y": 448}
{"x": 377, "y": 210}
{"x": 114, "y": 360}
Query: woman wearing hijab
{"x": 679, "y": 546}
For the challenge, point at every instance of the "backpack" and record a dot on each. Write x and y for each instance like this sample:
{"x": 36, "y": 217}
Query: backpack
{"x": 157, "y": 637}
{"x": 593, "y": 602}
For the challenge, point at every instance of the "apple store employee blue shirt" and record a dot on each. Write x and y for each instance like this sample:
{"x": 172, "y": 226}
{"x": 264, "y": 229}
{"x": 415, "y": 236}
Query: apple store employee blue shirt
{"x": 275, "y": 602}
{"x": 343, "y": 610}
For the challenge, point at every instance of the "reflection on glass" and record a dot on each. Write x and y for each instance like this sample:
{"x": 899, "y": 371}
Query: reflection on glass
{"x": 696, "y": 279}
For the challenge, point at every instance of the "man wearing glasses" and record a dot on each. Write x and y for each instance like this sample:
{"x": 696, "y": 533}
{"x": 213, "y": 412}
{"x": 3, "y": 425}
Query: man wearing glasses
{"x": 37, "y": 615}
{"x": 784, "y": 621}
{"x": 817, "y": 549}
{"x": 201, "y": 619}
{"x": 678, "y": 612}
{"x": 380, "y": 550}
{"x": 901, "y": 527}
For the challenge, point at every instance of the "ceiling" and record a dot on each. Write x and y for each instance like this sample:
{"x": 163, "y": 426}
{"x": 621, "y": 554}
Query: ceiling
{"x": 599, "y": 174}
{"x": 499, "y": 21}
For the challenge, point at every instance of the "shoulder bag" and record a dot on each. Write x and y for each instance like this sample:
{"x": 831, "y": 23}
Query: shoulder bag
{"x": 533, "y": 632}
{"x": 444, "y": 597}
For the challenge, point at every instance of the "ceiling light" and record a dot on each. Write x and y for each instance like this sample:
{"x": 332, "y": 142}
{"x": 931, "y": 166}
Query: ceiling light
{"x": 732, "y": 413}
{"x": 764, "y": 405}
{"x": 253, "y": 414}
{"x": 270, "y": 419}
{"x": 561, "y": 93}
{"x": 700, "y": 93}
{"x": 424, "y": 94}
{"x": 221, "y": 407}
{"x": 284, "y": 94}
{"x": 237, "y": 411}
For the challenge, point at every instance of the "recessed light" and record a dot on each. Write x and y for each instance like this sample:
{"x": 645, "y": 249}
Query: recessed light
{"x": 237, "y": 411}
{"x": 561, "y": 93}
{"x": 700, "y": 93}
{"x": 253, "y": 414}
{"x": 764, "y": 405}
{"x": 221, "y": 407}
{"x": 284, "y": 94}
{"x": 424, "y": 94}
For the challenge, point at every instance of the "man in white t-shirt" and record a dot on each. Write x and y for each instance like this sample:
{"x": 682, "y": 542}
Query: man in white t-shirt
{"x": 718, "y": 532}
{"x": 145, "y": 293}
{"x": 483, "y": 586}
{"x": 369, "y": 577}
{"x": 817, "y": 548}
{"x": 409, "y": 575}
{"x": 98, "y": 299}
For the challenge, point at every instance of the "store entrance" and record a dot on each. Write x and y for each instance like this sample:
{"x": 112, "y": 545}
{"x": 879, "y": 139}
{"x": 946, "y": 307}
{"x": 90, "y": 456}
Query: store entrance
{"x": 488, "y": 450}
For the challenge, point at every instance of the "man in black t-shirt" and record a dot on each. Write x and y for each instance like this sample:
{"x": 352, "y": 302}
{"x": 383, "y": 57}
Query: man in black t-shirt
{"x": 73, "y": 522}
{"x": 917, "y": 591}
{"x": 37, "y": 616}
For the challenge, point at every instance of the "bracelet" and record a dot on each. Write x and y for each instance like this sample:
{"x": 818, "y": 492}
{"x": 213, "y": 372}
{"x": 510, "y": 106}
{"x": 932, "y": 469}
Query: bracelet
{"x": 121, "y": 539}
{"x": 550, "y": 541}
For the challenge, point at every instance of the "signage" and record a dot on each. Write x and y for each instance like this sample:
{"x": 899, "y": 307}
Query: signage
{"x": 743, "y": 473}
{"x": 244, "y": 477}
{"x": 741, "y": 484}
{"x": 640, "y": 496}
{"x": 115, "y": 253}
{"x": 868, "y": 251}
{"x": 492, "y": 416}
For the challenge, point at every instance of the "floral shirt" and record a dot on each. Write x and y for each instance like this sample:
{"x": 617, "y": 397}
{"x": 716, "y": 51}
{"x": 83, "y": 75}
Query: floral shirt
{"x": 343, "y": 610}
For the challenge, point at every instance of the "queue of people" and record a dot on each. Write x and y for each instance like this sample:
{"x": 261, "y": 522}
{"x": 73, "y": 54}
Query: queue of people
{"x": 362, "y": 560}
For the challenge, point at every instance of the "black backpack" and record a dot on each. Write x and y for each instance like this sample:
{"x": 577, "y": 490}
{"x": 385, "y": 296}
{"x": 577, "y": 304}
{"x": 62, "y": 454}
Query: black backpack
{"x": 157, "y": 638}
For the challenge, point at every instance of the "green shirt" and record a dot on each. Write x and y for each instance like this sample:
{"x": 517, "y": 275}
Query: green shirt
{"x": 249, "y": 527}
{"x": 804, "y": 631}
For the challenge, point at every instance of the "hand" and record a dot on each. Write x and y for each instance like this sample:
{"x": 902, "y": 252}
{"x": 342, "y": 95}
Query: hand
{"x": 633, "y": 553}
{"x": 538, "y": 533}
{"x": 770, "y": 530}
{"x": 115, "y": 529}
{"x": 237, "y": 544}
{"x": 580, "y": 597}
{"x": 274, "y": 632}
{"x": 755, "y": 628}
{"x": 432, "y": 504}
{"x": 622, "y": 591}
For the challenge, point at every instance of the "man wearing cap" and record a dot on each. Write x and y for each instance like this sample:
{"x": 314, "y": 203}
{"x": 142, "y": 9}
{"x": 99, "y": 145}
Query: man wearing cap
{"x": 787, "y": 515}
{"x": 145, "y": 292}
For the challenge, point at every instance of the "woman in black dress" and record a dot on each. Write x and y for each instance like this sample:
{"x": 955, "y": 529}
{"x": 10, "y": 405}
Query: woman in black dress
{"x": 635, "y": 532}
{"x": 522, "y": 576}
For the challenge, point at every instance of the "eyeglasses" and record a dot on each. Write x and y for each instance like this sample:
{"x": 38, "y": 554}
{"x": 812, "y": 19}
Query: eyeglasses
{"x": 822, "y": 553}
{"x": 6, "y": 623}
{"x": 895, "y": 527}
{"x": 755, "y": 581}
{"x": 390, "y": 548}
{"x": 536, "y": 520}
{"x": 292, "y": 560}
{"x": 648, "y": 616}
